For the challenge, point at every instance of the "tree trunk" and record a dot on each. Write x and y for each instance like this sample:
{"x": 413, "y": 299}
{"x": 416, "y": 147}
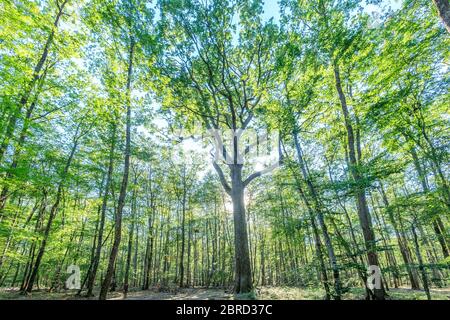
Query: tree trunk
{"x": 421, "y": 267}
{"x": 128, "y": 262}
{"x": 436, "y": 220}
{"x": 183, "y": 221}
{"x": 53, "y": 212}
{"x": 443, "y": 7}
{"x": 98, "y": 250}
{"x": 94, "y": 241}
{"x": 130, "y": 239}
{"x": 361, "y": 202}
{"x": 317, "y": 241}
{"x": 29, "y": 87}
{"x": 123, "y": 189}
{"x": 319, "y": 211}
{"x": 402, "y": 244}
{"x": 243, "y": 275}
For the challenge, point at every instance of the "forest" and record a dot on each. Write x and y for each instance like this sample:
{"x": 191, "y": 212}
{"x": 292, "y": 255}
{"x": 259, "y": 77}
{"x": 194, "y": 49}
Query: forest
{"x": 225, "y": 149}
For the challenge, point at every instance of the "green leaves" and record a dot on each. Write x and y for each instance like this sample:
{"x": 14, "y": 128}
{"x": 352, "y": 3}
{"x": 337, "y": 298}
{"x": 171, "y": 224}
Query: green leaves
{"x": 222, "y": 64}
{"x": 216, "y": 68}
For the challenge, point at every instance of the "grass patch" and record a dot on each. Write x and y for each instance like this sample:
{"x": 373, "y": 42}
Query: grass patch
{"x": 261, "y": 293}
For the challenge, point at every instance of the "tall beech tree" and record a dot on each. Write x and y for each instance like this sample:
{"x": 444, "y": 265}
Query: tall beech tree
{"x": 101, "y": 171}
{"x": 218, "y": 70}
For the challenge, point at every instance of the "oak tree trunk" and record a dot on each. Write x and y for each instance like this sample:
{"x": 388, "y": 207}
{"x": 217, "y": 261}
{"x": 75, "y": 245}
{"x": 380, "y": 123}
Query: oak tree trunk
{"x": 243, "y": 274}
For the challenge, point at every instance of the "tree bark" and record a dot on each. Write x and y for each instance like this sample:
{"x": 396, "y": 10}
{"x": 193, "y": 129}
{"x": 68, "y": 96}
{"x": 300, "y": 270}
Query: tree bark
{"x": 123, "y": 189}
{"x": 402, "y": 244}
{"x": 319, "y": 210}
{"x": 130, "y": 239}
{"x": 53, "y": 212}
{"x": 421, "y": 267}
{"x": 130, "y": 247}
{"x": 183, "y": 221}
{"x": 98, "y": 250}
{"x": 361, "y": 202}
{"x": 436, "y": 220}
{"x": 29, "y": 87}
{"x": 443, "y": 7}
{"x": 243, "y": 275}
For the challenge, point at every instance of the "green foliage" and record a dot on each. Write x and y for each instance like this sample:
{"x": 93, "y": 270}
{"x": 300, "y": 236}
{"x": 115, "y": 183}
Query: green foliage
{"x": 66, "y": 82}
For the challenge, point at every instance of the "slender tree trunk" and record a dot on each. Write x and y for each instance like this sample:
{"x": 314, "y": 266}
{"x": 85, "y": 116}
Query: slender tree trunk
{"x": 189, "y": 246}
{"x": 98, "y": 250}
{"x": 243, "y": 274}
{"x": 402, "y": 244}
{"x": 29, "y": 87}
{"x": 94, "y": 242}
{"x": 53, "y": 212}
{"x": 361, "y": 202}
{"x": 421, "y": 267}
{"x": 149, "y": 251}
{"x": 128, "y": 262}
{"x": 319, "y": 211}
{"x": 438, "y": 278}
{"x": 123, "y": 189}
{"x": 183, "y": 221}
{"x": 436, "y": 220}
{"x": 130, "y": 239}
{"x": 31, "y": 255}
{"x": 317, "y": 241}
{"x": 443, "y": 7}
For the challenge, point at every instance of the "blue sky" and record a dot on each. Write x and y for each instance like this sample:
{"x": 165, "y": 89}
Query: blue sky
{"x": 271, "y": 8}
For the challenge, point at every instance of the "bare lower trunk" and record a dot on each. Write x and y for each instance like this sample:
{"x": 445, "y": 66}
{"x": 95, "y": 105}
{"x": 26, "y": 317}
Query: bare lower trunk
{"x": 123, "y": 189}
{"x": 437, "y": 222}
{"x": 319, "y": 211}
{"x": 361, "y": 201}
{"x": 421, "y": 266}
{"x": 243, "y": 274}
{"x": 318, "y": 247}
{"x": 30, "y": 86}
{"x": 130, "y": 240}
{"x": 402, "y": 244}
{"x": 53, "y": 212}
{"x": 128, "y": 262}
{"x": 183, "y": 229}
{"x": 443, "y": 7}
{"x": 98, "y": 249}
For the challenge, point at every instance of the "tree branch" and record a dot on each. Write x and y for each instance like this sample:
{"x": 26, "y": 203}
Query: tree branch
{"x": 224, "y": 182}
{"x": 252, "y": 177}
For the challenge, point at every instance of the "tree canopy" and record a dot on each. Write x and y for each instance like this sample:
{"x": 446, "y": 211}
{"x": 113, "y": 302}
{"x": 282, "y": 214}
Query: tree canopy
{"x": 115, "y": 160}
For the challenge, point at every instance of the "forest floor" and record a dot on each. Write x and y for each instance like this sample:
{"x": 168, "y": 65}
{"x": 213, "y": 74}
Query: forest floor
{"x": 263, "y": 293}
